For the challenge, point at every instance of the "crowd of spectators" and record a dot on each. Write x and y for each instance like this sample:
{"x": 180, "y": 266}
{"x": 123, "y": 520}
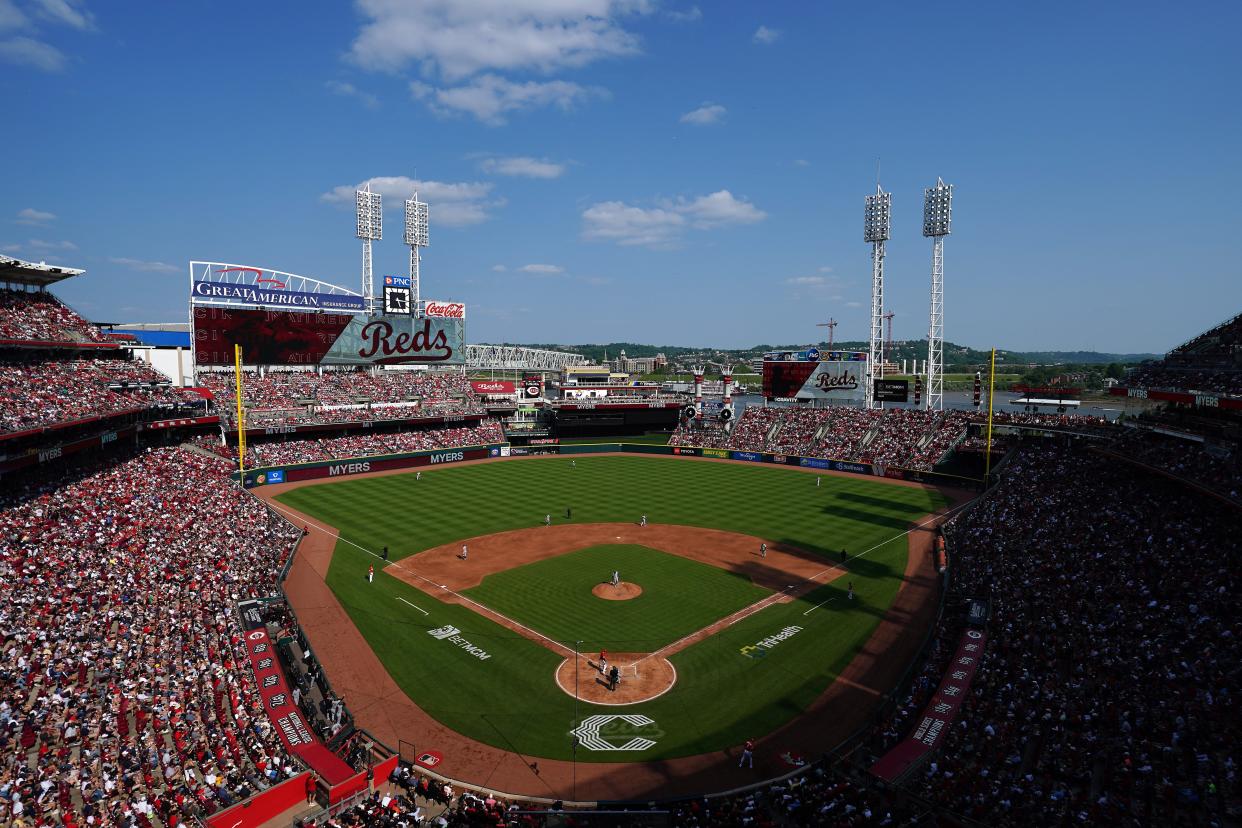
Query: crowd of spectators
{"x": 901, "y": 437}
{"x": 1211, "y": 363}
{"x": 1107, "y": 690}
{"x": 125, "y": 691}
{"x": 1218, "y": 467}
{"x": 40, "y": 317}
{"x": 292, "y": 389}
{"x": 38, "y": 393}
{"x": 365, "y": 444}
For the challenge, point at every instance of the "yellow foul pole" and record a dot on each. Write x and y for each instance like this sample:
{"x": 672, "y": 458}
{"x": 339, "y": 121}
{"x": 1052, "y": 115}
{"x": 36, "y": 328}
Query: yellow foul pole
{"x": 991, "y": 394}
{"x": 241, "y": 416}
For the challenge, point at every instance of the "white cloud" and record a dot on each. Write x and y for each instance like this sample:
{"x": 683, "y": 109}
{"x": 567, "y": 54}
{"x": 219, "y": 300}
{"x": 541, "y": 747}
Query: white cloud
{"x": 451, "y": 204}
{"x": 65, "y": 13}
{"x": 765, "y": 36}
{"x": 490, "y": 97}
{"x": 663, "y": 225}
{"x": 348, "y": 90}
{"x": 144, "y": 266}
{"x": 853, "y": 304}
{"x": 40, "y": 244}
{"x": 523, "y": 166}
{"x": 721, "y": 208}
{"x": 690, "y": 15}
{"x": 34, "y": 217}
{"x": 542, "y": 269}
{"x": 801, "y": 162}
{"x": 825, "y": 269}
{"x": 499, "y": 268}
{"x": 459, "y": 38}
{"x": 708, "y": 113}
{"x": 806, "y": 281}
{"x": 11, "y": 16}
{"x": 26, "y": 51}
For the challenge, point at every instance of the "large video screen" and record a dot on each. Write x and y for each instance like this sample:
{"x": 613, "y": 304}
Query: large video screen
{"x": 293, "y": 338}
{"x": 799, "y": 380}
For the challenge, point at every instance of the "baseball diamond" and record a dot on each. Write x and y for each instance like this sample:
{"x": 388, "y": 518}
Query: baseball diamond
{"x": 409, "y": 643}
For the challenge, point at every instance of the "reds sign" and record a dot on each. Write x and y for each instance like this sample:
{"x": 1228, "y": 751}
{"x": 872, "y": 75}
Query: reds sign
{"x": 494, "y": 387}
{"x": 445, "y": 310}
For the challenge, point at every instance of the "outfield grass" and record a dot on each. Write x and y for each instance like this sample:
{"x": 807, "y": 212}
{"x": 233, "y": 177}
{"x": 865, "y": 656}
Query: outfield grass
{"x": 722, "y": 696}
{"x": 554, "y": 597}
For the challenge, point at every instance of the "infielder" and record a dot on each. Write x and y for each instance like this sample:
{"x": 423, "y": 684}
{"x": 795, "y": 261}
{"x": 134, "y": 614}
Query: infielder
{"x": 547, "y": 520}
{"x": 464, "y": 552}
{"x": 616, "y": 578}
{"x": 763, "y": 550}
{"x": 642, "y": 521}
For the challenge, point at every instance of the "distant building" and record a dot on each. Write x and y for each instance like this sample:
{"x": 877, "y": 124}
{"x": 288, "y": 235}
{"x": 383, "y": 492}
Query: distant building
{"x": 638, "y": 365}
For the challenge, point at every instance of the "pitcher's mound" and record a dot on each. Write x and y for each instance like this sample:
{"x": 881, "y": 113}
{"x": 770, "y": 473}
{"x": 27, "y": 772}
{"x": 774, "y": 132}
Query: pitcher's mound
{"x": 623, "y": 591}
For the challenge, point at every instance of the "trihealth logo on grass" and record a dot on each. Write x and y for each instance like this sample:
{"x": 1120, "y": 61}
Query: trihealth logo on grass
{"x": 451, "y": 634}
{"x": 760, "y": 648}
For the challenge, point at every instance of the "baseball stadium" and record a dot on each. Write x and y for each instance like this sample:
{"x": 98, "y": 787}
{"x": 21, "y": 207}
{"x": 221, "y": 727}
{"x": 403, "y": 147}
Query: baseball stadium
{"x": 301, "y": 547}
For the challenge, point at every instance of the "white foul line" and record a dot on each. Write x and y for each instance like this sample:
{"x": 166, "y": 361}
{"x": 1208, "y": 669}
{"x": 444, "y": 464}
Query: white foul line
{"x": 420, "y": 609}
{"x": 820, "y": 604}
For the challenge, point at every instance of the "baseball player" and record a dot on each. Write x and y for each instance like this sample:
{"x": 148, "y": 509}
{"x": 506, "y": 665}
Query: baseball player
{"x": 616, "y": 577}
{"x": 418, "y": 475}
{"x": 547, "y": 520}
{"x": 603, "y": 662}
{"x": 763, "y": 550}
{"x": 818, "y": 482}
{"x": 850, "y": 594}
{"x": 573, "y": 464}
{"x": 614, "y": 678}
{"x": 642, "y": 521}
{"x": 370, "y": 573}
{"x": 464, "y": 552}
{"x": 748, "y": 754}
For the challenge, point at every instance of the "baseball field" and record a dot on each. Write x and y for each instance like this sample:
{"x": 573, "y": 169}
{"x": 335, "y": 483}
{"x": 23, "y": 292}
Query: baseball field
{"x": 718, "y": 639}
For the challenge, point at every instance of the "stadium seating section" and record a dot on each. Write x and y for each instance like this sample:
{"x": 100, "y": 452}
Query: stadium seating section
{"x": 125, "y": 690}
{"x": 906, "y": 438}
{"x": 41, "y": 317}
{"x": 1211, "y": 362}
{"x": 308, "y": 397}
{"x": 36, "y": 393}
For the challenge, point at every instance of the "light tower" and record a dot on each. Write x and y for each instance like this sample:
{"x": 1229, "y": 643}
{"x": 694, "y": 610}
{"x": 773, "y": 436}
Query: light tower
{"x": 370, "y": 208}
{"x": 876, "y": 221}
{"x": 416, "y": 225}
{"x": 888, "y": 338}
{"x": 937, "y": 218}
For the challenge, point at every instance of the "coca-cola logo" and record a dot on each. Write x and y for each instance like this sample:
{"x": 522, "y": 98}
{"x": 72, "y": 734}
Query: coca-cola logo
{"x": 445, "y": 310}
{"x": 419, "y": 346}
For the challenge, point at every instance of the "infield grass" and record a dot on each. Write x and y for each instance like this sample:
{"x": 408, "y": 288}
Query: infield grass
{"x": 554, "y": 596}
{"x": 723, "y": 695}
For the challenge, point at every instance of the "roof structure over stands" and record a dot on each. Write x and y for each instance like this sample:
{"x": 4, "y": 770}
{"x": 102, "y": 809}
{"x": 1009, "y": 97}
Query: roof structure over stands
{"x": 514, "y": 357}
{"x": 40, "y": 274}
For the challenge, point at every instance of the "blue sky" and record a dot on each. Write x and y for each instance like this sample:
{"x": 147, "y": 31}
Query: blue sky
{"x": 637, "y": 170}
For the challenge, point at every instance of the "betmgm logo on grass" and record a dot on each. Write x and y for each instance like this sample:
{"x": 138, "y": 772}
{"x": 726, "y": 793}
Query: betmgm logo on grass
{"x": 452, "y": 635}
{"x": 761, "y": 647}
{"x": 603, "y": 731}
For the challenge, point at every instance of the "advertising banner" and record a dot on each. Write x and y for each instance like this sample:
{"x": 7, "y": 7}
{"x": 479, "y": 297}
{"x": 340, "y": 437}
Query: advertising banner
{"x": 276, "y": 297}
{"x": 838, "y": 379}
{"x": 397, "y": 295}
{"x": 749, "y": 456}
{"x": 288, "y": 338}
{"x": 494, "y": 387}
{"x": 444, "y": 310}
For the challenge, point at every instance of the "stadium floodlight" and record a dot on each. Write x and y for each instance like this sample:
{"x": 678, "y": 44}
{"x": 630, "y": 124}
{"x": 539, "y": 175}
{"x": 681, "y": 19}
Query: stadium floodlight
{"x": 370, "y": 214}
{"x": 417, "y": 221}
{"x": 877, "y": 214}
{"x": 937, "y": 223}
{"x": 937, "y": 209}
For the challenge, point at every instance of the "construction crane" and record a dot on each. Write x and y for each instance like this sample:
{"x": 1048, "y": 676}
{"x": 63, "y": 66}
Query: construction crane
{"x": 831, "y": 325}
{"x": 888, "y": 341}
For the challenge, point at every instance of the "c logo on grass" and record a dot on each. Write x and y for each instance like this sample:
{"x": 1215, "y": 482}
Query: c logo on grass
{"x": 447, "y": 631}
{"x": 594, "y": 732}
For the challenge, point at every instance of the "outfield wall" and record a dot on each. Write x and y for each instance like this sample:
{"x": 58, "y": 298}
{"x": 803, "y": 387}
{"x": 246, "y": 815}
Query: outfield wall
{"x": 414, "y": 460}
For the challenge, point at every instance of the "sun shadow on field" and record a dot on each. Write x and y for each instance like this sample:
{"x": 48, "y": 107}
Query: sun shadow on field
{"x": 871, "y": 518}
{"x": 881, "y": 503}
